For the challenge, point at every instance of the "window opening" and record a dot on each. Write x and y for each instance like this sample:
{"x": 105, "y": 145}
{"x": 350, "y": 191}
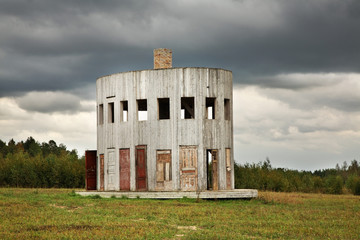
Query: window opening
{"x": 164, "y": 108}
{"x": 187, "y": 108}
{"x": 210, "y": 108}
{"x": 101, "y": 114}
{"x": 142, "y": 109}
{"x": 111, "y": 116}
{"x": 227, "y": 109}
{"x": 124, "y": 111}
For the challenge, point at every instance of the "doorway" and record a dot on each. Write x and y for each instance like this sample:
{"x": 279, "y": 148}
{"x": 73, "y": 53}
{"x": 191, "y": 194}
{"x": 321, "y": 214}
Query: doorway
{"x": 212, "y": 169}
{"x": 111, "y": 170}
{"x": 90, "y": 166}
{"x": 124, "y": 169}
{"x": 141, "y": 180}
{"x": 163, "y": 170}
{"x": 101, "y": 172}
{"x": 188, "y": 168}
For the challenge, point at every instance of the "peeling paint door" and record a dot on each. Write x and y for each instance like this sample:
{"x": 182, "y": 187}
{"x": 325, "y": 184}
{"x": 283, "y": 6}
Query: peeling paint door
{"x": 111, "y": 170}
{"x": 124, "y": 169}
{"x": 228, "y": 168}
{"x": 90, "y": 166}
{"x": 188, "y": 168}
{"x": 102, "y": 172}
{"x": 215, "y": 166}
{"x": 141, "y": 184}
{"x": 163, "y": 170}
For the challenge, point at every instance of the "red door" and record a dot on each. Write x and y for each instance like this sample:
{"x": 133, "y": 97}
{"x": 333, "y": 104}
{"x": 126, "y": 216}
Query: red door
{"x": 101, "y": 172}
{"x": 125, "y": 169}
{"x": 141, "y": 184}
{"x": 90, "y": 166}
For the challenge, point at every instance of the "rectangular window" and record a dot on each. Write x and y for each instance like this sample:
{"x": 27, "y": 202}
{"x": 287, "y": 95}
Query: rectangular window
{"x": 164, "y": 108}
{"x": 124, "y": 111}
{"x": 142, "y": 109}
{"x": 111, "y": 116}
{"x": 227, "y": 109}
{"x": 187, "y": 108}
{"x": 210, "y": 108}
{"x": 101, "y": 114}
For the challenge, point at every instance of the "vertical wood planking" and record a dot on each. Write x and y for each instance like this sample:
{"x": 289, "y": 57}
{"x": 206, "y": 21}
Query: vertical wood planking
{"x": 102, "y": 172}
{"x": 90, "y": 166}
{"x": 124, "y": 169}
{"x": 141, "y": 176}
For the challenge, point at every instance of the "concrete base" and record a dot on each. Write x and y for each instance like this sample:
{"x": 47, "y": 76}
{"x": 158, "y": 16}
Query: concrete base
{"x": 221, "y": 194}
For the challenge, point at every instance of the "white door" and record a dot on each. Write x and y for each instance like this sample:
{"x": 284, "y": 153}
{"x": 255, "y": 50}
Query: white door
{"x": 111, "y": 170}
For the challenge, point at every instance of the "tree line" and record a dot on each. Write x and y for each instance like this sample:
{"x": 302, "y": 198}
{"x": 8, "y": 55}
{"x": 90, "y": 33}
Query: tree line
{"x": 31, "y": 164}
{"x": 45, "y": 165}
{"x": 263, "y": 176}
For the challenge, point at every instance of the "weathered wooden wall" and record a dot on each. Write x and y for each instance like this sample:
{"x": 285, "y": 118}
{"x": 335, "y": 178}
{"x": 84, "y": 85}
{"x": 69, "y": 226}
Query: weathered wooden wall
{"x": 169, "y": 134}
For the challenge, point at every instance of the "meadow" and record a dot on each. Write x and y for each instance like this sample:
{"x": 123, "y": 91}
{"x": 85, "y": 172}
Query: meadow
{"x": 62, "y": 214}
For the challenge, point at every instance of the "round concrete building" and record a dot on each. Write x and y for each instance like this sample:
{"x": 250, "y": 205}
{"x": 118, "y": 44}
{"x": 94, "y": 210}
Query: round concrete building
{"x": 165, "y": 129}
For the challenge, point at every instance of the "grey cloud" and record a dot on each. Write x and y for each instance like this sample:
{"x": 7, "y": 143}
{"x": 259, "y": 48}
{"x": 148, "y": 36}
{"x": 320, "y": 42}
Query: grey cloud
{"x": 50, "y": 102}
{"x": 66, "y": 45}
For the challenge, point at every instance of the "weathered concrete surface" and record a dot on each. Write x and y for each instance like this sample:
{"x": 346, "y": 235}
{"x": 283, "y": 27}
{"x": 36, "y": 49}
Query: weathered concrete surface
{"x": 169, "y": 134}
{"x": 222, "y": 194}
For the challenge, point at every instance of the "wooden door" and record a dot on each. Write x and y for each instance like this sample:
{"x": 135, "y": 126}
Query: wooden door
{"x": 124, "y": 169}
{"x": 141, "y": 181}
{"x": 188, "y": 168}
{"x": 215, "y": 166}
{"x": 163, "y": 170}
{"x": 228, "y": 168}
{"x": 101, "y": 172}
{"x": 111, "y": 170}
{"x": 90, "y": 166}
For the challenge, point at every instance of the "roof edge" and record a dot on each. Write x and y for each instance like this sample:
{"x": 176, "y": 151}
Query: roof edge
{"x": 163, "y": 69}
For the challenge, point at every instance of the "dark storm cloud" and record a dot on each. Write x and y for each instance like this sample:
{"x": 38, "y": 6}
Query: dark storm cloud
{"x": 49, "y": 102}
{"x": 66, "y": 45}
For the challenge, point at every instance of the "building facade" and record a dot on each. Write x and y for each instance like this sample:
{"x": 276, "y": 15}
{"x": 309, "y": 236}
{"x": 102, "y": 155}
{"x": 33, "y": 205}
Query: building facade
{"x": 165, "y": 129}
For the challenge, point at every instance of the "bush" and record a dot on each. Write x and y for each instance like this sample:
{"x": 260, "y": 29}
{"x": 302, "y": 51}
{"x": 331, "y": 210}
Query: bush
{"x": 30, "y": 164}
{"x": 357, "y": 187}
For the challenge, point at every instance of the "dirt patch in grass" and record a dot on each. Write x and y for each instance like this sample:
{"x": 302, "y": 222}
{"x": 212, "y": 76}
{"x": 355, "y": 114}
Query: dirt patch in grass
{"x": 62, "y": 227}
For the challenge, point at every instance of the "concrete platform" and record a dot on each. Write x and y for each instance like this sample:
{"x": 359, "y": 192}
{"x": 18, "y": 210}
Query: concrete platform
{"x": 221, "y": 194}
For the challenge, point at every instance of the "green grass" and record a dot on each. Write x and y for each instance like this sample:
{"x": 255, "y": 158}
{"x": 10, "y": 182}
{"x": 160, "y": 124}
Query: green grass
{"x": 61, "y": 214}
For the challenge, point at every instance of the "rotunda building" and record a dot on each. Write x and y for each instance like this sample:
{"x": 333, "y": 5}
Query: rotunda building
{"x": 165, "y": 129}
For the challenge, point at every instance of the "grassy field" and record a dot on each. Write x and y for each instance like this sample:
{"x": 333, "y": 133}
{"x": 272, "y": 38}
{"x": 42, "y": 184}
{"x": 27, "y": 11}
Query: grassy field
{"x": 61, "y": 214}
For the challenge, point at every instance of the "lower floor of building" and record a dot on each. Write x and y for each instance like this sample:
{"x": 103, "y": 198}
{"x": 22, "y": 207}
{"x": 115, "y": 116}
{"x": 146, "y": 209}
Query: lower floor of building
{"x": 186, "y": 169}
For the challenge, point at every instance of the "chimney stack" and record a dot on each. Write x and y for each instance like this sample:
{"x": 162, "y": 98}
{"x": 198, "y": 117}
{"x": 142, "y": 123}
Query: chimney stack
{"x": 162, "y": 58}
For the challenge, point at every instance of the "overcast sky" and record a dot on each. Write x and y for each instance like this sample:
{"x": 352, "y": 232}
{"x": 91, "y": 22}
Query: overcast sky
{"x": 296, "y": 68}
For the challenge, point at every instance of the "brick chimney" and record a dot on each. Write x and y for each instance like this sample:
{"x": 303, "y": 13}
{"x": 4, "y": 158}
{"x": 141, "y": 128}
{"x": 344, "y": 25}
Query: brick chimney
{"x": 162, "y": 58}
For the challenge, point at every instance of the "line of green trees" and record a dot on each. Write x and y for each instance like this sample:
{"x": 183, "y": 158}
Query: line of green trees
{"x": 31, "y": 164}
{"x": 263, "y": 176}
{"x": 45, "y": 165}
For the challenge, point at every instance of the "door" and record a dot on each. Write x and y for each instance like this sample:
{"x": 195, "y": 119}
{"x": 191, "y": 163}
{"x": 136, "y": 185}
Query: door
{"x": 111, "y": 170}
{"x": 90, "y": 166}
{"x": 163, "y": 170}
{"x": 102, "y": 172}
{"x": 140, "y": 155}
{"x": 228, "y": 168}
{"x": 212, "y": 169}
{"x": 124, "y": 169}
{"x": 188, "y": 168}
{"x": 215, "y": 167}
